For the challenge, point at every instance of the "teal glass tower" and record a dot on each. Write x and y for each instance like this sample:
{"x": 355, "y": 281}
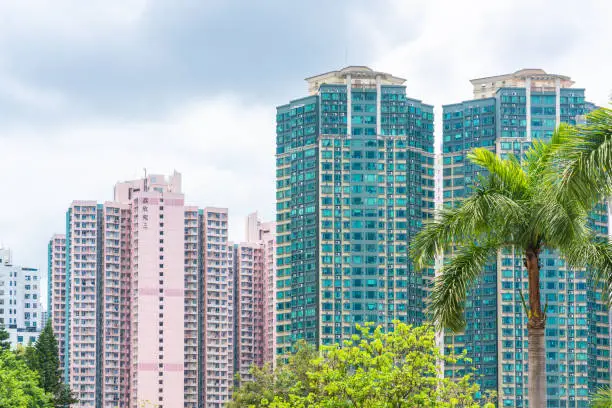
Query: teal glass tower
{"x": 506, "y": 114}
{"x": 355, "y": 179}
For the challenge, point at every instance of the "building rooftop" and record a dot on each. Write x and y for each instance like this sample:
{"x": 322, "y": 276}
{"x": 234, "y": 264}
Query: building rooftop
{"x": 357, "y": 74}
{"x": 537, "y": 78}
{"x": 532, "y": 73}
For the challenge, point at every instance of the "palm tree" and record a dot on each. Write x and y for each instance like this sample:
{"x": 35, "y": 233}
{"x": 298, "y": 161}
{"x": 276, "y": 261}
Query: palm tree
{"x": 515, "y": 204}
{"x": 585, "y": 158}
{"x": 602, "y": 398}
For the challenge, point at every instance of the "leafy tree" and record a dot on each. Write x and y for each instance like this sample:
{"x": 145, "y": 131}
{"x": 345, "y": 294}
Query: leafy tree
{"x": 46, "y": 362}
{"x": 375, "y": 370}
{"x": 5, "y": 343}
{"x": 19, "y": 385}
{"x": 516, "y": 204}
{"x": 27, "y": 354}
{"x": 286, "y": 379}
{"x": 261, "y": 387}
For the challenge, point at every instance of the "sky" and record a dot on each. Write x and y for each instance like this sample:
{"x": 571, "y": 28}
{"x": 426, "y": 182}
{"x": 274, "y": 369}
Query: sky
{"x": 92, "y": 93}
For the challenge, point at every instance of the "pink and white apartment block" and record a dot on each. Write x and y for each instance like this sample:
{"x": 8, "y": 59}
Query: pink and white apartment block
{"x": 57, "y": 295}
{"x": 217, "y": 310}
{"x": 254, "y": 297}
{"x": 144, "y": 297}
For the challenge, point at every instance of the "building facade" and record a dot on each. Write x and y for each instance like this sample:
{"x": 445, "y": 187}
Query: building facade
{"x": 56, "y": 293}
{"x": 248, "y": 326}
{"x": 216, "y": 310}
{"x": 355, "y": 179}
{"x": 267, "y": 235}
{"x": 20, "y": 303}
{"x": 506, "y": 114}
{"x": 254, "y": 297}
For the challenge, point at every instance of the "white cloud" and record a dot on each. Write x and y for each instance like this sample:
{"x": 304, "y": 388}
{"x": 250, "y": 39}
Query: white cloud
{"x": 470, "y": 39}
{"x": 20, "y": 93}
{"x": 73, "y": 20}
{"x": 223, "y": 148}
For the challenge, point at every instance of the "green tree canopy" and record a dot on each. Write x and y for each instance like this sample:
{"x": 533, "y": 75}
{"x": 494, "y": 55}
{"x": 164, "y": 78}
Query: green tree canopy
{"x": 19, "y": 385}
{"x": 27, "y": 354}
{"x": 375, "y": 370}
{"x": 287, "y": 379}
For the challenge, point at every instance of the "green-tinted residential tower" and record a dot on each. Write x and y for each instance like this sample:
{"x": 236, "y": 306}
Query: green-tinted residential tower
{"x": 355, "y": 179}
{"x": 506, "y": 114}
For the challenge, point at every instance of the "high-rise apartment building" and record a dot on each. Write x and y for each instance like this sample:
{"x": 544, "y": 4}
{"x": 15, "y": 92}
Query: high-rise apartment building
{"x": 158, "y": 307}
{"x": 355, "y": 179}
{"x": 216, "y": 310}
{"x": 248, "y": 323}
{"x": 20, "y": 307}
{"x": 267, "y": 236}
{"x": 192, "y": 293}
{"x": 254, "y": 297}
{"x": 56, "y": 296}
{"x": 506, "y": 114}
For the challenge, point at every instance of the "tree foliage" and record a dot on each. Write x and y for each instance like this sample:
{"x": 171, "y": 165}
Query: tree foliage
{"x": 286, "y": 380}
{"x": 46, "y": 362}
{"x": 5, "y": 343}
{"x": 19, "y": 385}
{"x": 373, "y": 369}
{"x": 27, "y": 354}
{"x": 43, "y": 358}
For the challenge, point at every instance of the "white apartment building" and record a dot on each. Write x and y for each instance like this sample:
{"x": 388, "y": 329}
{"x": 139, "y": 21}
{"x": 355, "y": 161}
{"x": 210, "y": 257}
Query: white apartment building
{"x": 20, "y": 307}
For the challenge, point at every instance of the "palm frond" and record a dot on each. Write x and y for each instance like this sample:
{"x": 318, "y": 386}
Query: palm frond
{"x": 484, "y": 212}
{"x": 602, "y": 398}
{"x": 504, "y": 175}
{"x": 559, "y": 218}
{"x": 594, "y": 253}
{"x": 451, "y": 286}
{"x": 541, "y": 155}
{"x": 585, "y": 159}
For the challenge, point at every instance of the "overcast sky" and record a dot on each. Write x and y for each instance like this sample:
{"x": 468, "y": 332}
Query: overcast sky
{"x": 92, "y": 92}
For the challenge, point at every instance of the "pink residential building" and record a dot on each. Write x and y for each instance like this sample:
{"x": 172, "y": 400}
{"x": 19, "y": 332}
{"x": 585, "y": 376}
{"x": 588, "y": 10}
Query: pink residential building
{"x": 192, "y": 268}
{"x": 125, "y": 304}
{"x": 268, "y": 239}
{"x": 157, "y": 289}
{"x": 248, "y": 284}
{"x": 82, "y": 333}
{"x": 112, "y": 299}
{"x": 57, "y": 293}
{"x": 216, "y": 305}
{"x": 254, "y": 297}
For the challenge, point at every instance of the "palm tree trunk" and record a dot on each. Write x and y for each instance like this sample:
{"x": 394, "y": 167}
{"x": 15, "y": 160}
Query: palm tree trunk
{"x": 535, "y": 330}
